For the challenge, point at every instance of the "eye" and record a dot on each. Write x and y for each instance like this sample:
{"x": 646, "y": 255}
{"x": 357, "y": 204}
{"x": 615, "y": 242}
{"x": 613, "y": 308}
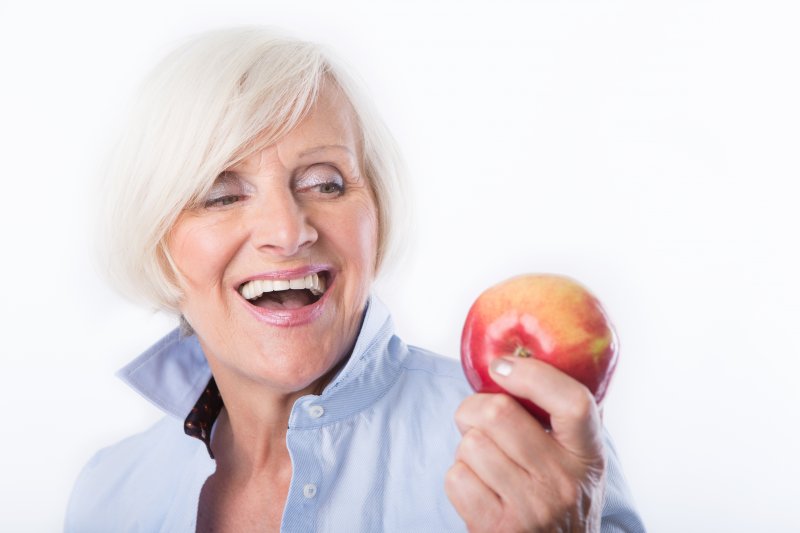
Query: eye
{"x": 330, "y": 188}
{"x": 227, "y": 190}
{"x": 322, "y": 179}
{"x": 222, "y": 201}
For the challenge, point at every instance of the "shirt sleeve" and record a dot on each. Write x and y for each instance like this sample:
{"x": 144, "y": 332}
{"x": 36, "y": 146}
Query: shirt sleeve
{"x": 619, "y": 513}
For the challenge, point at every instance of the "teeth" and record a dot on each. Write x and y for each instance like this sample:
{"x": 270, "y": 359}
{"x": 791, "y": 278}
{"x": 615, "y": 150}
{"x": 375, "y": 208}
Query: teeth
{"x": 254, "y": 289}
{"x": 317, "y": 286}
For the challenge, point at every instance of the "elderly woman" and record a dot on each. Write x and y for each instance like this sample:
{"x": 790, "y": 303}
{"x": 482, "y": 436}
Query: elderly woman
{"x": 252, "y": 195}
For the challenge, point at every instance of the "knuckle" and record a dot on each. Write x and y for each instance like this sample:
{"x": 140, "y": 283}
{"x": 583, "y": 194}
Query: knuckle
{"x": 582, "y": 405}
{"x": 461, "y": 411}
{"x": 499, "y": 407}
{"x": 473, "y": 442}
{"x": 453, "y": 478}
{"x": 465, "y": 412}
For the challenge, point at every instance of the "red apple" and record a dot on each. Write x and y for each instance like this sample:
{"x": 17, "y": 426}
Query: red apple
{"x": 552, "y": 318}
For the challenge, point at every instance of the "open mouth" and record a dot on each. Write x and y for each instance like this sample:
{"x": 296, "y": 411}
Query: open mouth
{"x": 286, "y": 293}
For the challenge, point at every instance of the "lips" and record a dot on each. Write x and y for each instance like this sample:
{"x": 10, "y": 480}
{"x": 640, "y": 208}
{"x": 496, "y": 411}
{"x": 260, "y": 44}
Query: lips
{"x": 287, "y": 298}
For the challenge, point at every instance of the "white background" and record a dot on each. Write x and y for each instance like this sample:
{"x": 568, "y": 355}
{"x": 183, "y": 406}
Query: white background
{"x": 649, "y": 149}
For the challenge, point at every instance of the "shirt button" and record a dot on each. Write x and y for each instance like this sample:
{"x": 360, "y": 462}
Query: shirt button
{"x": 310, "y": 490}
{"x": 316, "y": 411}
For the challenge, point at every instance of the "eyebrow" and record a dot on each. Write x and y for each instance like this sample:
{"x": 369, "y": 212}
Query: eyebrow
{"x": 225, "y": 176}
{"x": 324, "y": 147}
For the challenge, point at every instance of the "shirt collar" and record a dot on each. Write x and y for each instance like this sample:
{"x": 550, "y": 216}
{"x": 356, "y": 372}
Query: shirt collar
{"x": 173, "y": 373}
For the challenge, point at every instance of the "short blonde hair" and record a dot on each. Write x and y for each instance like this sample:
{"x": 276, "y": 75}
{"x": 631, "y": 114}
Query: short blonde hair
{"x": 211, "y": 103}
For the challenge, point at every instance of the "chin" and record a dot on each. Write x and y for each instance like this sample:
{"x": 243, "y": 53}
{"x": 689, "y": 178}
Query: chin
{"x": 289, "y": 366}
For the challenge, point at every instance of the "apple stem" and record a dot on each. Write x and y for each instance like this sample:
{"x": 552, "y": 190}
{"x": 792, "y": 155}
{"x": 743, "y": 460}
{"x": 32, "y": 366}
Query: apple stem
{"x": 522, "y": 351}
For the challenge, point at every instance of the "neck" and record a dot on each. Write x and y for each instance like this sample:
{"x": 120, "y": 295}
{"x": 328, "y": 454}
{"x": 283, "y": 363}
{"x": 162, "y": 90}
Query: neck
{"x": 250, "y": 432}
{"x": 245, "y": 445}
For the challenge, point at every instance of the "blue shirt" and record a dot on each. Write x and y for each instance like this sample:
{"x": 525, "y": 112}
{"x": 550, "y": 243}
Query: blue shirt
{"x": 369, "y": 454}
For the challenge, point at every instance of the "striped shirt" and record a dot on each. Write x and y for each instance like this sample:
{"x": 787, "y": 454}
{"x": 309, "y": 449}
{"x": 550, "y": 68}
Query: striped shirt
{"x": 369, "y": 454}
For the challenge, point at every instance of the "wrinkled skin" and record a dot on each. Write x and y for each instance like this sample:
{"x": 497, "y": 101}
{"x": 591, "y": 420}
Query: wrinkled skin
{"x": 512, "y": 475}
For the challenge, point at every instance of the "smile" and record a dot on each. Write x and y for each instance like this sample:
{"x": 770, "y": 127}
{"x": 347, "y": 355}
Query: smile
{"x": 284, "y": 291}
{"x": 287, "y": 299}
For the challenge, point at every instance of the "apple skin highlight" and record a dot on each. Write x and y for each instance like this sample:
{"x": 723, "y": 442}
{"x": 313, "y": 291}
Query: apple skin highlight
{"x": 550, "y": 317}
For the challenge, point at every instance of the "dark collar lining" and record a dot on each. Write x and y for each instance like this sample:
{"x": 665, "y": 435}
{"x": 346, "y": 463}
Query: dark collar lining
{"x": 201, "y": 418}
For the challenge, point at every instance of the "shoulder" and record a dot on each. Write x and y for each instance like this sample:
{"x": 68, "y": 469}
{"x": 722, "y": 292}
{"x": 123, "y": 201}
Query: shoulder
{"x": 421, "y": 360}
{"x": 427, "y": 369}
{"x": 429, "y": 387}
{"x": 132, "y": 482}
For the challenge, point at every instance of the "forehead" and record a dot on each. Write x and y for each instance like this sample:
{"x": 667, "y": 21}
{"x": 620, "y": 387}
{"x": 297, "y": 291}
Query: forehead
{"x": 332, "y": 117}
{"x": 329, "y": 126}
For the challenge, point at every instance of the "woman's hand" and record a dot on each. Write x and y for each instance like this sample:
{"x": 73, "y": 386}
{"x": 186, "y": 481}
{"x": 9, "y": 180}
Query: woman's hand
{"x": 510, "y": 474}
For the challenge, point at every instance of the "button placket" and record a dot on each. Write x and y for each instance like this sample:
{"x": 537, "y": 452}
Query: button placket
{"x": 309, "y": 490}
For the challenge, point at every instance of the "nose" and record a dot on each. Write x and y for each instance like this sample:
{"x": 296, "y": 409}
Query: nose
{"x": 281, "y": 226}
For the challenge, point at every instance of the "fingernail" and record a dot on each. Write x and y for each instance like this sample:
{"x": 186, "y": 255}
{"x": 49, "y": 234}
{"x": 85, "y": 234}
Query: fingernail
{"x": 502, "y": 367}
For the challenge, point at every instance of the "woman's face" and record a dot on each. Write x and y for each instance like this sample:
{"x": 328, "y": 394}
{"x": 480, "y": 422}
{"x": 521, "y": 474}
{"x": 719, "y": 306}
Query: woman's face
{"x": 296, "y": 214}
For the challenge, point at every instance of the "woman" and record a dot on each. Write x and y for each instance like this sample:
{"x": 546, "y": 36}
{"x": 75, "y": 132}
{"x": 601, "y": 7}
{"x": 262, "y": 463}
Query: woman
{"x": 253, "y": 197}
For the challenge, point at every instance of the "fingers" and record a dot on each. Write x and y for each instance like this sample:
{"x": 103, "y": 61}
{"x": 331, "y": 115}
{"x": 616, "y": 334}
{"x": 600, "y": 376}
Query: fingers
{"x": 478, "y": 505}
{"x": 482, "y": 455}
{"x": 572, "y": 408}
{"x": 508, "y": 424}
{"x": 500, "y": 474}
{"x": 518, "y": 499}
{"x": 511, "y": 474}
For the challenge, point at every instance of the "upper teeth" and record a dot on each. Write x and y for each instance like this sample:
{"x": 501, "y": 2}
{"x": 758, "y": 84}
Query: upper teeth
{"x": 254, "y": 289}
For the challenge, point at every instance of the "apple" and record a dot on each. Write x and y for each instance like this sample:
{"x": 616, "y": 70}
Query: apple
{"x": 550, "y": 317}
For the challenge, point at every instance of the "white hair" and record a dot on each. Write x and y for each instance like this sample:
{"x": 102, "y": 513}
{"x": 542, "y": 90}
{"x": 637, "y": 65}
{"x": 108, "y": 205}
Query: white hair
{"x": 208, "y": 105}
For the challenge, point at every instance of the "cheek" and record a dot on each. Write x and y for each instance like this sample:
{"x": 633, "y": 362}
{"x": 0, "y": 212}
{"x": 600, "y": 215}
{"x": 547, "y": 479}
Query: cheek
{"x": 362, "y": 239}
{"x": 351, "y": 232}
{"x": 201, "y": 251}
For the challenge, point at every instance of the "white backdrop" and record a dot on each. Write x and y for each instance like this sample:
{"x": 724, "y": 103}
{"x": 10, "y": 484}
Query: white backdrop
{"x": 649, "y": 149}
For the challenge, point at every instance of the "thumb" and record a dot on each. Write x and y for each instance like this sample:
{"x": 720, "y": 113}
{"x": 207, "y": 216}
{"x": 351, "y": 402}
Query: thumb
{"x": 574, "y": 414}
